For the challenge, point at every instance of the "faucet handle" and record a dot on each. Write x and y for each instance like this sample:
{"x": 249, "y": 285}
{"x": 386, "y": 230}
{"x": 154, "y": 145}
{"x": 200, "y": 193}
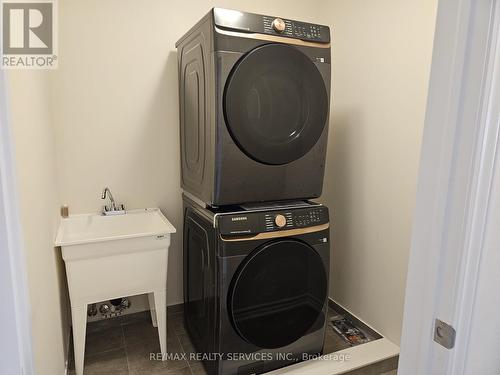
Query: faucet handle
{"x": 113, "y": 210}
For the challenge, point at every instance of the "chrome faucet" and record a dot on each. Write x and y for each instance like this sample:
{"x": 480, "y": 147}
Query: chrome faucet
{"x": 112, "y": 209}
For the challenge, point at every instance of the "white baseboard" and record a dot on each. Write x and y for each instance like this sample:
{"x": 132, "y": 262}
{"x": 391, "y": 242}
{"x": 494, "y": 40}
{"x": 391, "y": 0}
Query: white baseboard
{"x": 344, "y": 360}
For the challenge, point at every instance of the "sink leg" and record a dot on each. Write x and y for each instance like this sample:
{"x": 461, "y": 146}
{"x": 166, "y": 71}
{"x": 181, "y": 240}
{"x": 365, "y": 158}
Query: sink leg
{"x": 160, "y": 300}
{"x": 79, "y": 320}
{"x": 152, "y": 309}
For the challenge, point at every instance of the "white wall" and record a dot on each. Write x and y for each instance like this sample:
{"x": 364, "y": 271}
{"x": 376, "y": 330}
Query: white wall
{"x": 39, "y": 204}
{"x": 381, "y": 56}
{"x": 116, "y": 103}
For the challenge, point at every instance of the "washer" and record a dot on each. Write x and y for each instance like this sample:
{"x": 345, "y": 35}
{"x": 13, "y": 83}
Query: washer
{"x": 254, "y": 105}
{"x": 255, "y": 284}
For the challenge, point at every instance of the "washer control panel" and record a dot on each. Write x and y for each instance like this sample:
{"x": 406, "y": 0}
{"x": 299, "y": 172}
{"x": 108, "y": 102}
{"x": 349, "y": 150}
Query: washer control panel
{"x": 250, "y": 222}
{"x": 256, "y": 23}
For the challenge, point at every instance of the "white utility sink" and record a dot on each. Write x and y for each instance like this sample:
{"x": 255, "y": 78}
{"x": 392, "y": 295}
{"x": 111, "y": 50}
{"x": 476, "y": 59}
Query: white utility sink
{"x": 80, "y": 229}
{"x": 115, "y": 256}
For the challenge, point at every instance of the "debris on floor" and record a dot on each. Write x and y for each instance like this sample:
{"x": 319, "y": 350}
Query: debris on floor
{"x": 348, "y": 331}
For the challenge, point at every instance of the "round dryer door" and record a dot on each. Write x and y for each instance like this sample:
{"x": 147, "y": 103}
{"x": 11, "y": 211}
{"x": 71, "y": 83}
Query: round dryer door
{"x": 277, "y": 293}
{"x": 275, "y": 104}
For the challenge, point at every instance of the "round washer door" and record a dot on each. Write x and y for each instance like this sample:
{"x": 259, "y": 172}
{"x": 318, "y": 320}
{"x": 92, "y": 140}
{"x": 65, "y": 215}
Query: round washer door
{"x": 275, "y": 104}
{"x": 277, "y": 293}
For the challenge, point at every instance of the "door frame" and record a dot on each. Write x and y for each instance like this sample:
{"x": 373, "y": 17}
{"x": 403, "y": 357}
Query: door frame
{"x": 16, "y": 352}
{"x": 459, "y": 151}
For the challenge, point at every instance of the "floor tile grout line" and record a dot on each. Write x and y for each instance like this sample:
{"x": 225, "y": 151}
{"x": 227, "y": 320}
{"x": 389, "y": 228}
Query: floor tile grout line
{"x": 102, "y": 352}
{"x": 188, "y": 362}
{"x": 125, "y": 347}
{"x": 182, "y": 348}
{"x": 190, "y": 369}
{"x": 180, "y": 343}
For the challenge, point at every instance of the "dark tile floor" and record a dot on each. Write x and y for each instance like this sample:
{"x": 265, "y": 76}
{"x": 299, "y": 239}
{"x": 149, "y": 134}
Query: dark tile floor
{"x": 122, "y": 346}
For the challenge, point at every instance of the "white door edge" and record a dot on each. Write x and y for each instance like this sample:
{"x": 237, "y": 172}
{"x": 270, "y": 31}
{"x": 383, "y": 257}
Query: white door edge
{"x": 459, "y": 152}
{"x": 488, "y": 159}
{"x": 12, "y": 247}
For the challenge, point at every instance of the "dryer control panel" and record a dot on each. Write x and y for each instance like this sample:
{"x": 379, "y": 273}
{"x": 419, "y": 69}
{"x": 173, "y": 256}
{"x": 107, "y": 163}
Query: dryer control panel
{"x": 252, "y": 222}
{"x": 256, "y": 23}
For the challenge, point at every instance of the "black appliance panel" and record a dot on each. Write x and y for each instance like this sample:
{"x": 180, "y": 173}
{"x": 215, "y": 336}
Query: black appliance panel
{"x": 241, "y": 179}
{"x": 256, "y": 23}
{"x": 232, "y": 255}
{"x": 199, "y": 279}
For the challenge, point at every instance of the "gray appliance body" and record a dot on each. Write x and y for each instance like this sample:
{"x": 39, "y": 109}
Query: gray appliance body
{"x": 254, "y": 107}
{"x": 244, "y": 300}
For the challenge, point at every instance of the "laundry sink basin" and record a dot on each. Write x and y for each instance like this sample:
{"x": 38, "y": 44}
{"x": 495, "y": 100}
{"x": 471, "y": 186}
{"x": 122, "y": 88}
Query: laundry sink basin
{"x": 114, "y": 256}
{"x": 98, "y": 229}
{"x": 80, "y": 229}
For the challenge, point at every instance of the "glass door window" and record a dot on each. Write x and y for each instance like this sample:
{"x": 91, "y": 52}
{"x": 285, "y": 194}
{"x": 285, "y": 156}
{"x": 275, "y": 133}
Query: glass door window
{"x": 278, "y": 293}
{"x": 275, "y": 104}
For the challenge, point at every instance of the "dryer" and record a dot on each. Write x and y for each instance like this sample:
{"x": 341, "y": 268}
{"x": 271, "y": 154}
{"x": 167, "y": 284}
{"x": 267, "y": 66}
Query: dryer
{"x": 255, "y": 284}
{"x": 254, "y": 106}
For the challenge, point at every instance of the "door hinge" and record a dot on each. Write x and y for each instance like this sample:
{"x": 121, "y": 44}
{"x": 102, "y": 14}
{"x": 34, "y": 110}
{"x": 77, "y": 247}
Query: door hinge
{"x": 444, "y": 334}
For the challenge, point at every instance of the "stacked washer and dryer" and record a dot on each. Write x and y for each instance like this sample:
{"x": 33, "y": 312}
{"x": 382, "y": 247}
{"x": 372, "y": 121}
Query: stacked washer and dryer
{"x": 254, "y": 104}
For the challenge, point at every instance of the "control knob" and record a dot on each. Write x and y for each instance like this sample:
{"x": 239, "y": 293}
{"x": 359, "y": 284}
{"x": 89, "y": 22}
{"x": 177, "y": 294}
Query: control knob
{"x": 279, "y": 25}
{"x": 280, "y": 221}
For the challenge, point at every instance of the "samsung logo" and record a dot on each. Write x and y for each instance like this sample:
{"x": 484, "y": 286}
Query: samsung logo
{"x": 239, "y": 218}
